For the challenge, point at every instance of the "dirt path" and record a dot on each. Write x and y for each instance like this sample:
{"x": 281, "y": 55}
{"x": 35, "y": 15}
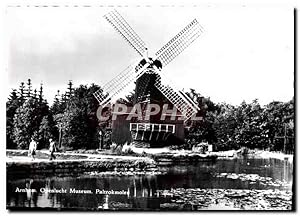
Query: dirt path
{"x": 43, "y": 156}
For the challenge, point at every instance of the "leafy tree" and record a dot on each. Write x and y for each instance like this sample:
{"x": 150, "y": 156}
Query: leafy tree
{"x": 250, "y": 130}
{"x": 11, "y": 106}
{"x": 225, "y": 127}
{"x": 25, "y": 112}
{"x": 277, "y": 116}
{"x": 79, "y": 122}
{"x": 202, "y": 130}
{"x": 129, "y": 99}
{"x": 46, "y": 131}
{"x": 74, "y": 128}
{"x": 25, "y": 123}
{"x": 58, "y": 106}
{"x": 73, "y": 117}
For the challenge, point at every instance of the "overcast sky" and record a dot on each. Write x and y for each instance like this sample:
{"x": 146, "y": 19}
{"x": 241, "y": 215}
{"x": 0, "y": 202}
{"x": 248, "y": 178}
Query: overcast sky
{"x": 244, "y": 53}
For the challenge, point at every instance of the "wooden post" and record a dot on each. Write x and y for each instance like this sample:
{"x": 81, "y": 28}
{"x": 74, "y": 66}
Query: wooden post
{"x": 284, "y": 139}
{"x": 59, "y": 136}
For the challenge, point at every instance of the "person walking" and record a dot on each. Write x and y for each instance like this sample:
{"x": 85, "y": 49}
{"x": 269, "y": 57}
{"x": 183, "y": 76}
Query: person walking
{"x": 32, "y": 149}
{"x": 52, "y": 149}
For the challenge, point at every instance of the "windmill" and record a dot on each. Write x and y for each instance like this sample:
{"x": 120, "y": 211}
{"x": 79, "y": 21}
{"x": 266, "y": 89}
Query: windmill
{"x": 148, "y": 77}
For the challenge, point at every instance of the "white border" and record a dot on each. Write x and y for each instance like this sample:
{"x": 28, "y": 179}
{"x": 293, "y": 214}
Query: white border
{"x": 3, "y": 59}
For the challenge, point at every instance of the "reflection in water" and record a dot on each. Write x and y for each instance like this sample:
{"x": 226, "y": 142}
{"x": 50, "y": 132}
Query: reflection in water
{"x": 31, "y": 193}
{"x": 140, "y": 192}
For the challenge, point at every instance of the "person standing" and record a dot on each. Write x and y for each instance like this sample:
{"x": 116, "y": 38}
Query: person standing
{"x": 100, "y": 139}
{"x": 32, "y": 149}
{"x": 52, "y": 149}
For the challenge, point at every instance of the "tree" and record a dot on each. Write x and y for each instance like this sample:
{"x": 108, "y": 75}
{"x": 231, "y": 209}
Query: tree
{"x": 202, "y": 130}
{"x": 25, "y": 114}
{"x": 278, "y": 115}
{"x": 250, "y": 125}
{"x": 25, "y": 123}
{"x": 22, "y": 92}
{"x": 78, "y": 121}
{"x": 225, "y": 127}
{"x": 69, "y": 93}
{"x": 46, "y": 131}
{"x": 58, "y": 106}
{"x": 11, "y": 106}
{"x": 41, "y": 96}
{"x": 75, "y": 130}
{"x": 29, "y": 88}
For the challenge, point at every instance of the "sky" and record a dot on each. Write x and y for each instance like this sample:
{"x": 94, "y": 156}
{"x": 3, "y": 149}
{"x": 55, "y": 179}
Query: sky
{"x": 245, "y": 52}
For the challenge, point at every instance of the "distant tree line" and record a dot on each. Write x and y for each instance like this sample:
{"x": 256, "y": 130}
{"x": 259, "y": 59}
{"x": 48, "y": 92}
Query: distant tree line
{"x": 71, "y": 120}
{"x": 248, "y": 125}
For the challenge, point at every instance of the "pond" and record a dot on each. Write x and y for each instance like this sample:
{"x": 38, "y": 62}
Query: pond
{"x": 159, "y": 191}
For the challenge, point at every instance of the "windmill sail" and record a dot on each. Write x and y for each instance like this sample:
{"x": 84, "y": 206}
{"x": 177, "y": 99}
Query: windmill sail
{"x": 119, "y": 83}
{"x": 179, "y": 43}
{"x": 123, "y": 28}
{"x": 165, "y": 55}
{"x": 185, "y": 105}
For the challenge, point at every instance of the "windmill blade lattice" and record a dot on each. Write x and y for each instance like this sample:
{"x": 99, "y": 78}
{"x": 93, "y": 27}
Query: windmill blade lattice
{"x": 119, "y": 83}
{"x": 123, "y": 28}
{"x": 179, "y": 43}
{"x": 184, "y": 104}
{"x": 165, "y": 55}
